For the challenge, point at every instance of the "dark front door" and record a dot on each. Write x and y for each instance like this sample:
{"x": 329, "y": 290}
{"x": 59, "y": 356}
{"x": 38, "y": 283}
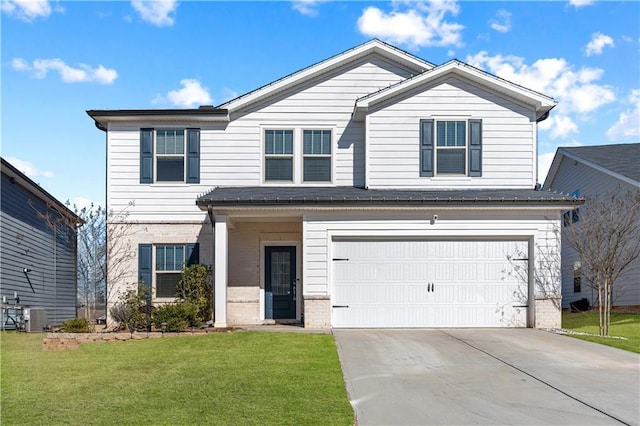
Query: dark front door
{"x": 280, "y": 282}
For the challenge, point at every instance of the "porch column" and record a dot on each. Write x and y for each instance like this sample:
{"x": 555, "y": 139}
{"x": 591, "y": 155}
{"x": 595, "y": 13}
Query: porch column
{"x": 220, "y": 274}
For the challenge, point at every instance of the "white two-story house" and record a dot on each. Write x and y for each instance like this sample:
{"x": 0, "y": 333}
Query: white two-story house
{"x": 372, "y": 189}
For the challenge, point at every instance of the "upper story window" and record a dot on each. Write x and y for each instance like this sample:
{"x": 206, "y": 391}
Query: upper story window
{"x": 278, "y": 150}
{"x": 451, "y": 148}
{"x": 297, "y": 155}
{"x": 170, "y": 155}
{"x": 316, "y": 145}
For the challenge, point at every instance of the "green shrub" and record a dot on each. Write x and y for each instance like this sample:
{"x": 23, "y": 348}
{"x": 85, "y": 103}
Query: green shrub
{"x": 129, "y": 310}
{"x": 76, "y": 325}
{"x": 195, "y": 286}
{"x": 178, "y": 316}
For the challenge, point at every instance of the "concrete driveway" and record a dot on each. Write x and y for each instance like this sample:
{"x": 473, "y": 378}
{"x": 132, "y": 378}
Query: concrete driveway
{"x": 486, "y": 376}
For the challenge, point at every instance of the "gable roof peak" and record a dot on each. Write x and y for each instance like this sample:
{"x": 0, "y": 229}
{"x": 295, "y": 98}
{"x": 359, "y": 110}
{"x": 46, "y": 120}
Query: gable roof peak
{"x": 406, "y": 59}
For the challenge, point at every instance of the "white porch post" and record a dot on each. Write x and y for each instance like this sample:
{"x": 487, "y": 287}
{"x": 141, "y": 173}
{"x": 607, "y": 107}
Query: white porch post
{"x": 221, "y": 267}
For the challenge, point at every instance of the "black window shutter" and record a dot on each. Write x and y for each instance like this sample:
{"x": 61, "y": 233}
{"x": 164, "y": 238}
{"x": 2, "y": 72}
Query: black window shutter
{"x": 475, "y": 148}
{"x": 146, "y": 155}
{"x": 193, "y": 254}
{"x": 145, "y": 261}
{"x": 426, "y": 148}
{"x": 193, "y": 155}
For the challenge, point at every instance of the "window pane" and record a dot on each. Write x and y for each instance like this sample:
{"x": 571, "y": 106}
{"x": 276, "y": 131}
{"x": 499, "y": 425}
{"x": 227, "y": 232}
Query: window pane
{"x": 269, "y": 146}
{"x": 280, "y": 273}
{"x": 161, "y": 143}
{"x": 326, "y": 142}
{"x": 167, "y": 284}
{"x": 451, "y": 161}
{"x": 316, "y": 142}
{"x": 288, "y": 142}
{"x": 460, "y": 133}
{"x": 170, "y": 169}
{"x": 440, "y": 133}
{"x": 160, "y": 262}
{"x": 317, "y": 169}
{"x": 451, "y": 133}
{"x": 279, "y": 169}
{"x": 179, "y": 258}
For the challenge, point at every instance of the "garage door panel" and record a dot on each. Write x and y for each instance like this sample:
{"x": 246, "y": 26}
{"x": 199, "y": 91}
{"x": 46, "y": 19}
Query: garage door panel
{"x": 427, "y": 284}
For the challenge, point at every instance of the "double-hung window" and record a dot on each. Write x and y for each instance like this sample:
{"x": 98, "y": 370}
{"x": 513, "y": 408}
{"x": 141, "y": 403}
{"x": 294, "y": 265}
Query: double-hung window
{"x": 160, "y": 266}
{"x": 278, "y": 155}
{"x": 170, "y": 260}
{"x": 451, "y": 147}
{"x": 169, "y": 155}
{"x": 316, "y": 150}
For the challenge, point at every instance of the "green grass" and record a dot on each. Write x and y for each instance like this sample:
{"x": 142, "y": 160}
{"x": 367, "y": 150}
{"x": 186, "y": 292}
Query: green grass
{"x": 622, "y": 325}
{"x": 239, "y": 378}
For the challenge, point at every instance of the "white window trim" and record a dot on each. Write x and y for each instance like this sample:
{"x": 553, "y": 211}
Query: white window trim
{"x": 298, "y": 154}
{"x": 437, "y": 148}
{"x": 156, "y": 155}
{"x": 154, "y": 272}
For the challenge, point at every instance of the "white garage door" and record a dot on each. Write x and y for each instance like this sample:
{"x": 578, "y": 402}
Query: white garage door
{"x": 390, "y": 283}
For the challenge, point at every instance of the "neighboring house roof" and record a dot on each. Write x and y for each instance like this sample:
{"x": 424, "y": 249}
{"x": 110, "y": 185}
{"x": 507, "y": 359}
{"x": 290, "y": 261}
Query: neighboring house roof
{"x": 373, "y": 46}
{"x": 621, "y": 161}
{"x": 21, "y": 179}
{"x": 205, "y": 113}
{"x": 345, "y": 195}
{"x": 542, "y": 103}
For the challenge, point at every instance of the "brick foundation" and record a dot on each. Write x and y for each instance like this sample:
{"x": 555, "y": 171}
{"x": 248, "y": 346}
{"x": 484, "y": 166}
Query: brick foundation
{"x": 317, "y": 312}
{"x": 548, "y": 312}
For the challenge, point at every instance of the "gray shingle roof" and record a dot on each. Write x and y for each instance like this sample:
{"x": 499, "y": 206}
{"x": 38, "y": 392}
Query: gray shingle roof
{"x": 344, "y": 196}
{"x": 623, "y": 159}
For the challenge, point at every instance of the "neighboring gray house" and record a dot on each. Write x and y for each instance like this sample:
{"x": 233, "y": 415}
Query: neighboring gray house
{"x": 38, "y": 260}
{"x": 587, "y": 171}
{"x": 371, "y": 189}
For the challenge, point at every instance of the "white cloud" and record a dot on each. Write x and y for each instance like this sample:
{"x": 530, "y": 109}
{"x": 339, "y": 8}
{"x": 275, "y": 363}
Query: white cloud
{"x": 544, "y": 164}
{"x": 191, "y": 95}
{"x": 628, "y": 124}
{"x": 157, "y": 12}
{"x": 229, "y": 94}
{"x": 598, "y": 42}
{"x": 576, "y": 90}
{"x": 502, "y": 22}
{"x": 29, "y": 168}
{"x": 28, "y": 10}
{"x": 581, "y": 3}
{"x": 82, "y": 74}
{"x": 413, "y": 23}
{"x": 559, "y": 126}
{"x": 306, "y": 7}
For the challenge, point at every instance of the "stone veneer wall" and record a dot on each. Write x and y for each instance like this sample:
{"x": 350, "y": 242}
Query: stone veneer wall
{"x": 317, "y": 312}
{"x": 548, "y": 312}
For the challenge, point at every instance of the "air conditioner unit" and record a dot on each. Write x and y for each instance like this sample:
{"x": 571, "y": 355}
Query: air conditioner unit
{"x": 36, "y": 319}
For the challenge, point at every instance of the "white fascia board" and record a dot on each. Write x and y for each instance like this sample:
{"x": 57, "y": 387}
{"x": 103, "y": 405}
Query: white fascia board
{"x": 373, "y": 46}
{"x": 195, "y": 118}
{"x": 541, "y": 103}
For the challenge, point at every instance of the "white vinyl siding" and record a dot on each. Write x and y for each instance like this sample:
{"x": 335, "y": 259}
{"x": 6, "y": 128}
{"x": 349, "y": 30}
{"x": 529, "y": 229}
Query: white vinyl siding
{"x": 508, "y": 138}
{"x": 231, "y": 154}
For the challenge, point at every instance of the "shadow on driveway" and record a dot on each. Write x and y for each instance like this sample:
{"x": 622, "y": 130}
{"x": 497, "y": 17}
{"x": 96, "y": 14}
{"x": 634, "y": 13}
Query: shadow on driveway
{"x": 486, "y": 376}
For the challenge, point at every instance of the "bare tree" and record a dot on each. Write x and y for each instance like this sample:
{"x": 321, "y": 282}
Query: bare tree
{"x": 606, "y": 238}
{"x": 547, "y": 275}
{"x": 104, "y": 251}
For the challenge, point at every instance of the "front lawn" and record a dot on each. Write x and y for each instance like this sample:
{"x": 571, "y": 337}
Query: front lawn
{"x": 622, "y": 325}
{"x": 221, "y": 378}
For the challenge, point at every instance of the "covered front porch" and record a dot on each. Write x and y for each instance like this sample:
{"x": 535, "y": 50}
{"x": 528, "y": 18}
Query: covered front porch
{"x": 258, "y": 269}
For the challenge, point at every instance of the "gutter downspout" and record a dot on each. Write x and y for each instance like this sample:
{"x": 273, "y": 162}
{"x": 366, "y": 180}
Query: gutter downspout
{"x": 213, "y": 257}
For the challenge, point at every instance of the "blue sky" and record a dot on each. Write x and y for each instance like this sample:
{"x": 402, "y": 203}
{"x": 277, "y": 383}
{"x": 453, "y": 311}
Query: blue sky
{"x": 60, "y": 59}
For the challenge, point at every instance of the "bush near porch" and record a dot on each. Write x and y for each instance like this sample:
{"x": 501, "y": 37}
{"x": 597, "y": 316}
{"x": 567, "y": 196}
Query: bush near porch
{"x": 221, "y": 378}
{"x": 622, "y": 325}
